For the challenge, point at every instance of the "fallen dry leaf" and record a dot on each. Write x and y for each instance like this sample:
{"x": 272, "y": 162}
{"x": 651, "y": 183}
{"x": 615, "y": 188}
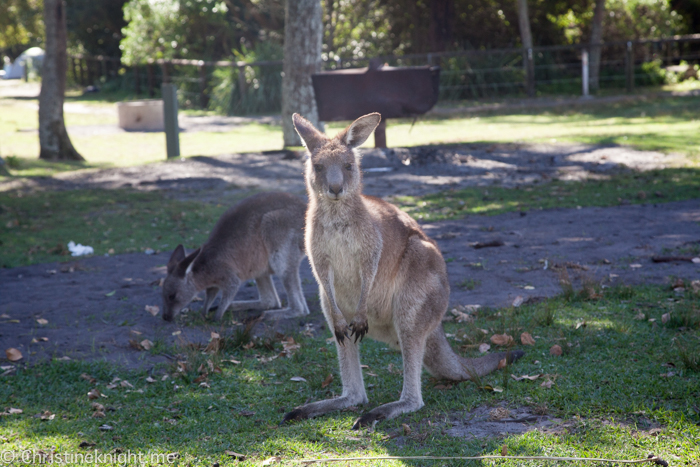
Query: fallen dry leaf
{"x": 14, "y": 411}
{"x": 13, "y": 354}
{"x": 461, "y": 317}
{"x": 126, "y": 384}
{"x": 504, "y": 450}
{"x": 98, "y": 414}
{"x": 42, "y": 321}
{"x": 146, "y": 344}
{"x": 5, "y": 316}
{"x": 65, "y": 358}
{"x": 150, "y": 380}
{"x": 528, "y": 377}
{"x": 635, "y": 266}
{"x": 271, "y": 460}
{"x": 547, "y": 384}
{"x": 327, "y": 381}
{"x": 153, "y": 309}
{"x": 298, "y": 379}
{"x": 580, "y": 324}
{"x": 213, "y": 346}
{"x": 640, "y": 316}
{"x": 665, "y": 318}
{"x": 502, "y": 364}
{"x": 249, "y": 345}
{"x": 518, "y": 301}
{"x": 484, "y": 347}
{"x": 94, "y": 394}
{"x": 97, "y": 406}
{"x": 88, "y": 378}
{"x": 406, "y": 429}
{"x": 555, "y": 350}
{"x": 502, "y": 339}
{"x": 238, "y": 456}
{"x": 45, "y": 416}
{"x": 106, "y": 428}
{"x": 176, "y": 333}
{"x": 527, "y": 339}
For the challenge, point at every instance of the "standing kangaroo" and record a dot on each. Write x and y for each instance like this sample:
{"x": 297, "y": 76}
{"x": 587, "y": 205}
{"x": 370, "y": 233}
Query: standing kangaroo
{"x": 379, "y": 272}
{"x": 260, "y": 236}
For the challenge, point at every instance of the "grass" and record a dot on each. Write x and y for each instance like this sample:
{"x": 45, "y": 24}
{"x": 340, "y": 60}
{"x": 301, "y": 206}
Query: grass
{"x": 607, "y": 390}
{"x": 668, "y": 124}
{"x": 632, "y": 188}
{"x": 37, "y": 227}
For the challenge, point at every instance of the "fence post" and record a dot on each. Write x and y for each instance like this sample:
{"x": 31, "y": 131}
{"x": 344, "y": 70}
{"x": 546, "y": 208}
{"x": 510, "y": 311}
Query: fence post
{"x": 165, "y": 78}
{"x": 242, "y": 85}
{"x": 203, "y": 101}
{"x": 529, "y": 72}
{"x": 151, "y": 80}
{"x": 172, "y": 137}
{"x": 584, "y": 71}
{"x": 82, "y": 71}
{"x": 137, "y": 80}
{"x": 74, "y": 70}
{"x": 629, "y": 67}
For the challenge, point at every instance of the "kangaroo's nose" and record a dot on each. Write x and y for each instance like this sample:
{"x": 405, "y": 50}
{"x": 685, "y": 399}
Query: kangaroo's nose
{"x": 335, "y": 188}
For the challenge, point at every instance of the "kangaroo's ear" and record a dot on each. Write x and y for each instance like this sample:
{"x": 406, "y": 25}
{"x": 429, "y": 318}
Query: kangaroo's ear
{"x": 359, "y": 130}
{"x": 177, "y": 256}
{"x": 185, "y": 265}
{"x": 310, "y": 136}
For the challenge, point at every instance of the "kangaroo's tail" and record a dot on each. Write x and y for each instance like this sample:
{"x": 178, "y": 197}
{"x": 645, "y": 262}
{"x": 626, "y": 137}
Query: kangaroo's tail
{"x": 442, "y": 362}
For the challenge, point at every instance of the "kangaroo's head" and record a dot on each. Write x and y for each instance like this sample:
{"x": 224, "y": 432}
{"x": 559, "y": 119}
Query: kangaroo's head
{"x": 178, "y": 288}
{"x": 333, "y": 167}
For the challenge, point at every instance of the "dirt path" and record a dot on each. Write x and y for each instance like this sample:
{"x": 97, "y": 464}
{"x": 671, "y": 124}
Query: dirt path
{"x": 95, "y": 306}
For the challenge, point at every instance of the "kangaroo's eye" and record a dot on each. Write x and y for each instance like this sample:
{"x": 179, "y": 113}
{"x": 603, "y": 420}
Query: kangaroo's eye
{"x": 348, "y": 166}
{"x": 318, "y": 167}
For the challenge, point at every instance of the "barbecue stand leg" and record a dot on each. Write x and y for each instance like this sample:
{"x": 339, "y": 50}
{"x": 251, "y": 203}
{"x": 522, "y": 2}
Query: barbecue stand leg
{"x": 380, "y": 135}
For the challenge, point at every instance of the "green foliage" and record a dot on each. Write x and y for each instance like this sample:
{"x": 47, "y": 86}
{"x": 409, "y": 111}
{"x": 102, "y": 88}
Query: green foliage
{"x": 197, "y": 29}
{"x": 95, "y": 27}
{"x": 21, "y": 25}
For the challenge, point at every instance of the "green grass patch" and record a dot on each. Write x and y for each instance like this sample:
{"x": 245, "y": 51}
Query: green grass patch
{"x": 668, "y": 124}
{"x": 36, "y": 228}
{"x": 607, "y": 389}
{"x": 657, "y": 186}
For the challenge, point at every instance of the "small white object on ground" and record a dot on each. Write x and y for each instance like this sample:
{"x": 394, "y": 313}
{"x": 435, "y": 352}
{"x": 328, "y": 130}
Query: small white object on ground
{"x": 149, "y": 251}
{"x": 79, "y": 250}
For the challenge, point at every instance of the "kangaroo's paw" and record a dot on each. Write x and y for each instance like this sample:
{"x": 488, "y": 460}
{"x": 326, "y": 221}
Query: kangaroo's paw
{"x": 341, "y": 331}
{"x": 368, "y": 419}
{"x": 359, "y": 326}
{"x": 293, "y": 416}
{"x": 515, "y": 355}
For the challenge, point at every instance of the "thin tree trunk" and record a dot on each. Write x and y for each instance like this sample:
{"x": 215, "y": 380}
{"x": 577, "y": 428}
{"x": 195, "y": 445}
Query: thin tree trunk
{"x": 596, "y": 39}
{"x": 526, "y": 39}
{"x": 303, "y": 39}
{"x": 442, "y": 12}
{"x": 53, "y": 139}
{"x": 524, "y": 22}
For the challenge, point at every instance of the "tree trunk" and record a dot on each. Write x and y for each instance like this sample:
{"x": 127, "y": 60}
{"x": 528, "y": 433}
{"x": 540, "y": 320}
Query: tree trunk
{"x": 442, "y": 13}
{"x": 53, "y": 138}
{"x": 524, "y": 22}
{"x": 526, "y": 39}
{"x": 303, "y": 39}
{"x": 596, "y": 39}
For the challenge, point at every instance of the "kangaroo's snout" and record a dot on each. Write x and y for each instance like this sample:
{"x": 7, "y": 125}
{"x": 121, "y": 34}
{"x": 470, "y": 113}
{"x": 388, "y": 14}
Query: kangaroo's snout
{"x": 335, "y": 180}
{"x": 335, "y": 188}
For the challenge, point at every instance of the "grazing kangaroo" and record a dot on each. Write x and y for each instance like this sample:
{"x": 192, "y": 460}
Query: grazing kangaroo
{"x": 379, "y": 272}
{"x": 260, "y": 236}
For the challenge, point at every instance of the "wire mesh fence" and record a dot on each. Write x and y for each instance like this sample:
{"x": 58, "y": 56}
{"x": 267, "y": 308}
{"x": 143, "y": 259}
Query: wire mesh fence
{"x": 238, "y": 88}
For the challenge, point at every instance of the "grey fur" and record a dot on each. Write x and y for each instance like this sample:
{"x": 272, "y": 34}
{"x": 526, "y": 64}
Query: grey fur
{"x": 378, "y": 271}
{"x": 260, "y": 236}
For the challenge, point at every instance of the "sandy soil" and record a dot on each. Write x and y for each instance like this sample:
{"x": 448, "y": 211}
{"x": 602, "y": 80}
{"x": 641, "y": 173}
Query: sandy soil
{"x": 95, "y": 306}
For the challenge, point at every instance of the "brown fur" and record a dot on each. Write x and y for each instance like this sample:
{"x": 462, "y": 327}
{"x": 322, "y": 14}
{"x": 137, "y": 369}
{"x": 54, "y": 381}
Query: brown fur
{"x": 379, "y": 274}
{"x": 260, "y": 236}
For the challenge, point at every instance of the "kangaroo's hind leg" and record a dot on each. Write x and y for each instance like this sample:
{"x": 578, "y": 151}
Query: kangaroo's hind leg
{"x": 212, "y": 292}
{"x": 285, "y": 264}
{"x": 350, "y": 374}
{"x": 268, "y": 296}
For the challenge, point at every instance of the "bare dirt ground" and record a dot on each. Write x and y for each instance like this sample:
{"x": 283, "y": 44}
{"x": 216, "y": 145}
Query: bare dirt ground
{"x": 94, "y": 306}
